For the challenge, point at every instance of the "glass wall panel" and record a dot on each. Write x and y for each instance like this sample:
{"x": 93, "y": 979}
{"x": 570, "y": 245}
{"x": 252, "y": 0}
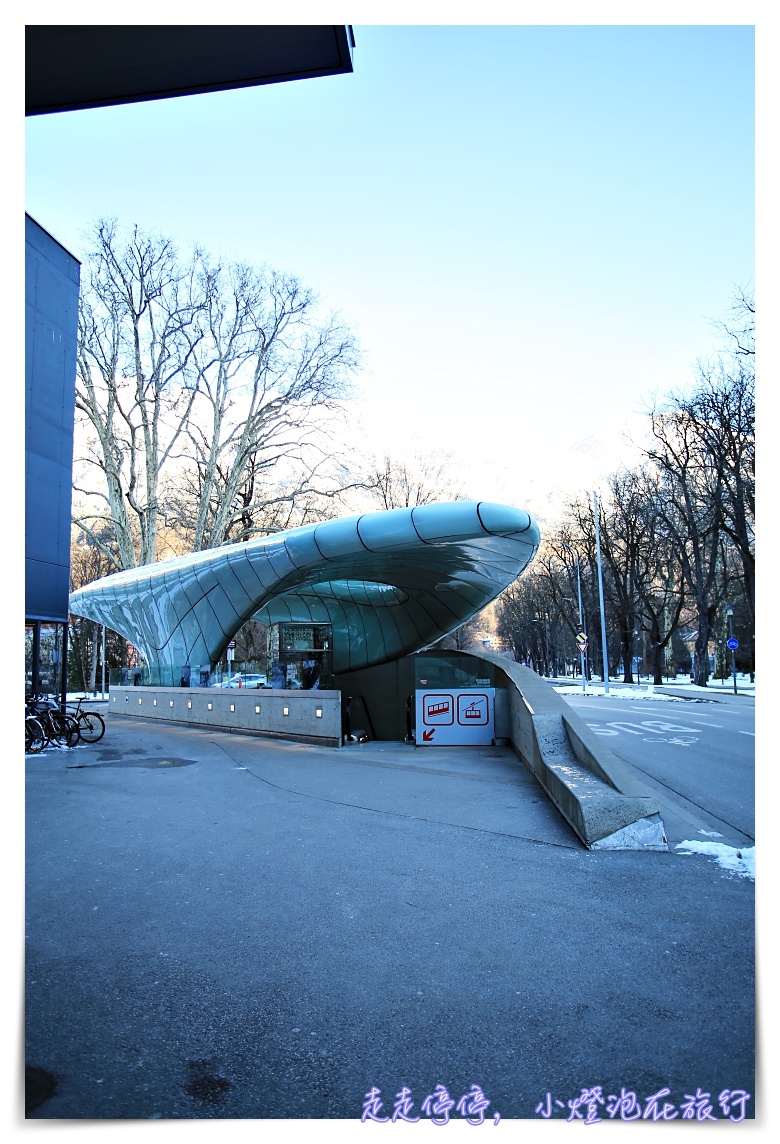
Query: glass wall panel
{"x": 45, "y": 677}
{"x": 443, "y": 670}
{"x": 301, "y": 657}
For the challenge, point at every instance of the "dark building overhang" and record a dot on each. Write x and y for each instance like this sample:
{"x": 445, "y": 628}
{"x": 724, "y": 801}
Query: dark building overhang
{"x": 70, "y": 67}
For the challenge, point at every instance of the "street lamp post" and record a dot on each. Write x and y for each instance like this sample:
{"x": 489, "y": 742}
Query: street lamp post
{"x": 581, "y": 615}
{"x": 635, "y": 634}
{"x": 730, "y": 613}
{"x": 582, "y": 620}
{"x": 604, "y": 650}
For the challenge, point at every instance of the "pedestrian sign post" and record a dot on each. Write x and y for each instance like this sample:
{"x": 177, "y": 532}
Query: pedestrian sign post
{"x": 732, "y": 643}
{"x": 582, "y": 647}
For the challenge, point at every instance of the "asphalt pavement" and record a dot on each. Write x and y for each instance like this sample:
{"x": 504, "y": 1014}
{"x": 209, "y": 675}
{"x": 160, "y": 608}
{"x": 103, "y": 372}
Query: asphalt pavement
{"x": 695, "y": 755}
{"x": 221, "y": 926}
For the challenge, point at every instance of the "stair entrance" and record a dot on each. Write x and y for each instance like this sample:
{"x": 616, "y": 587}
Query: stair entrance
{"x": 454, "y": 701}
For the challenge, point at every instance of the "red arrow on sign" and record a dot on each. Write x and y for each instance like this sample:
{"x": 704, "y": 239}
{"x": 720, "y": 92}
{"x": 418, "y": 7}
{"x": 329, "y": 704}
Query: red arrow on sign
{"x": 428, "y": 735}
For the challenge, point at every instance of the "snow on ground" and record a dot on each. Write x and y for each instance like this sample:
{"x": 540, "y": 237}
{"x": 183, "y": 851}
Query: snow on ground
{"x": 622, "y": 691}
{"x": 646, "y": 691}
{"x": 742, "y": 862}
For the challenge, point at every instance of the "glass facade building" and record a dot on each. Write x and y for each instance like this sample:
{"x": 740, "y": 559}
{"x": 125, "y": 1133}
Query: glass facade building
{"x": 336, "y": 597}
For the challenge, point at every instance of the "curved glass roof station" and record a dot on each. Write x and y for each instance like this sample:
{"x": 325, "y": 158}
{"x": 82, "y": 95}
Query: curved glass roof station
{"x": 390, "y": 583}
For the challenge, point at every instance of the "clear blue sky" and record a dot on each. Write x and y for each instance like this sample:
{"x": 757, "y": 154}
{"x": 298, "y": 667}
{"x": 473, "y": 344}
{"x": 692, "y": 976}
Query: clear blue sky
{"x": 528, "y": 227}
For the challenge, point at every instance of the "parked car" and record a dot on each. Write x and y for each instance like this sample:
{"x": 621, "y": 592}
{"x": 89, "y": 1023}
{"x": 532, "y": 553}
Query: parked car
{"x": 241, "y": 680}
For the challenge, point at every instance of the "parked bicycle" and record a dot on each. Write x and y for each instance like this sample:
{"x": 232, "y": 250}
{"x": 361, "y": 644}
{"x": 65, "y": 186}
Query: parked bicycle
{"x": 58, "y": 726}
{"x": 35, "y": 738}
{"x": 92, "y": 726}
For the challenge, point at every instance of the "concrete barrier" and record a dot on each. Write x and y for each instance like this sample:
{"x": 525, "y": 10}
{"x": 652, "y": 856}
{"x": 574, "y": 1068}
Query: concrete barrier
{"x": 306, "y": 716}
{"x": 592, "y": 788}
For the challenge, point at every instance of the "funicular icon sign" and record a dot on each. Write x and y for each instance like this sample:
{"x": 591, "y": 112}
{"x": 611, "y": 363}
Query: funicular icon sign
{"x": 438, "y": 708}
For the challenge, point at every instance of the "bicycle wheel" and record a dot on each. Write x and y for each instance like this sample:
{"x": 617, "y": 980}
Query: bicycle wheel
{"x": 66, "y": 728}
{"x": 34, "y": 736}
{"x": 91, "y": 726}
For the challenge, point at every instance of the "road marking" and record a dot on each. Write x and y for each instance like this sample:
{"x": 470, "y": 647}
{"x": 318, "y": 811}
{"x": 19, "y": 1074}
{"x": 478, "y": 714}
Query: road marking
{"x": 649, "y": 727}
{"x": 751, "y": 733}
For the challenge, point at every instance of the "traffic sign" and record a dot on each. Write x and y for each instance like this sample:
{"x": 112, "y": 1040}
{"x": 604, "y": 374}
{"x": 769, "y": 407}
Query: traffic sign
{"x": 732, "y": 643}
{"x": 582, "y": 642}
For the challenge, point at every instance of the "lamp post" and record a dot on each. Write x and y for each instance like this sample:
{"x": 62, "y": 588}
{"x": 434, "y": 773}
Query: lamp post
{"x": 581, "y": 614}
{"x": 730, "y": 613}
{"x": 604, "y": 652}
{"x": 582, "y": 620}
{"x": 635, "y": 634}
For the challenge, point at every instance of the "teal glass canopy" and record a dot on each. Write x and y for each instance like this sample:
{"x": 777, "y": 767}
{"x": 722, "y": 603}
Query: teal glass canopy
{"x": 389, "y": 583}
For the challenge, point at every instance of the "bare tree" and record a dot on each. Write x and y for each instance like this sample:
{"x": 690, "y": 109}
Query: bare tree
{"x": 88, "y": 562}
{"x": 404, "y": 480}
{"x": 538, "y": 614}
{"x": 691, "y": 506}
{"x": 705, "y": 452}
{"x": 268, "y": 376}
{"x": 722, "y": 411}
{"x": 205, "y": 391}
{"x": 674, "y": 531}
{"x": 644, "y": 572}
{"x": 137, "y": 327}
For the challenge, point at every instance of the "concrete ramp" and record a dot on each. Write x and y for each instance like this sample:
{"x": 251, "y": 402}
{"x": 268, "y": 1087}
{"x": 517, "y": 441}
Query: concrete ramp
{"x": 603, "y": 817}
{"x": 590, "y": 786}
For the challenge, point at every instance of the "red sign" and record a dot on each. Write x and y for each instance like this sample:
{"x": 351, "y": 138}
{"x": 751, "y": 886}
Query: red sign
{"x": 438, "y": 710}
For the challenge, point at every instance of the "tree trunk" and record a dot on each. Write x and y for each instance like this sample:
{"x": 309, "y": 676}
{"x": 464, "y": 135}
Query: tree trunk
{"x": 626, "y": 644}
{"x": 701, "y": 659}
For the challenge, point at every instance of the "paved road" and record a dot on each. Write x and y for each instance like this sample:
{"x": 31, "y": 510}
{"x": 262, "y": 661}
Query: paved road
{"x": 223, "y": 927}
{"x": 695, "y": 756}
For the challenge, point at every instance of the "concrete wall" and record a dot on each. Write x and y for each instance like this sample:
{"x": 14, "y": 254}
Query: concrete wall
{"x": 51, "y": 327}
{"x": 235, "y": 709}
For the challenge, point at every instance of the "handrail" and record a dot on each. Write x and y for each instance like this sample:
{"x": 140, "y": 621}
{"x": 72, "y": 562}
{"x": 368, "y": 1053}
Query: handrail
{"x": 346, "y": 727}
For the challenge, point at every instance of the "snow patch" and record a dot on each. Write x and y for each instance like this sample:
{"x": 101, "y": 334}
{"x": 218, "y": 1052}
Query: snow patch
{"x": 740, "y": 861}
{"x": 621, "y": 692}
